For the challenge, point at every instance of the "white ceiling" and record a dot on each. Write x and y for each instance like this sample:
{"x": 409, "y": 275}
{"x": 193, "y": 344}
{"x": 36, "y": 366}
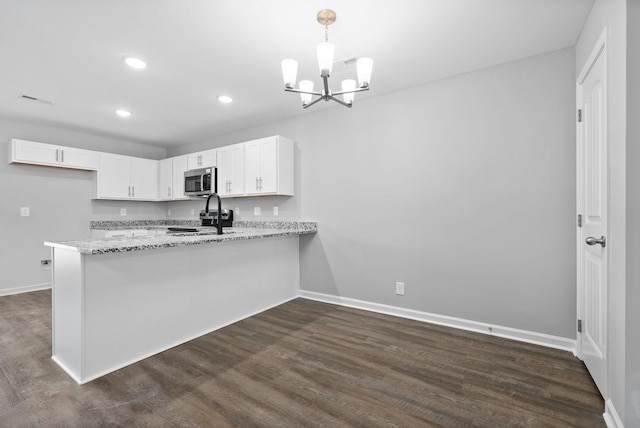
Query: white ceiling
{"x": 70, "y": 51}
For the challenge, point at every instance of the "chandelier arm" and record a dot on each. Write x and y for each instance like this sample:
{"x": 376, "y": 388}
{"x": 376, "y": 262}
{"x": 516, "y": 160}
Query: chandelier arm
{"x": 298, "y": 91}
{"x": 349, "y": 92}
{"x": 312, "y": 102}
{"x": 339, "y": 101}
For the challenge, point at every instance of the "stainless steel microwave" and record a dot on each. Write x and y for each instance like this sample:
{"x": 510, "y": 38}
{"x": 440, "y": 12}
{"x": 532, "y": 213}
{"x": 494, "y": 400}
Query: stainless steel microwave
{"x": 200, "y": 182}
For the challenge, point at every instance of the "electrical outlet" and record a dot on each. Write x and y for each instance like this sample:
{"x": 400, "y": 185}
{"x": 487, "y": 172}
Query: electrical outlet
{"x": 400, "y": 288}
{"x": 123, "y": 211}
{"x": 275, "y": 210}
{"x": 256, "y": 210}
{"x": 45, "y": 264}
{"x": 24, "y": 211}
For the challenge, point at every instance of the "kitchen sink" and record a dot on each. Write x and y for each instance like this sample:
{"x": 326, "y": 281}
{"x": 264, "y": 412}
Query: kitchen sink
{"x": 192, "y": 231}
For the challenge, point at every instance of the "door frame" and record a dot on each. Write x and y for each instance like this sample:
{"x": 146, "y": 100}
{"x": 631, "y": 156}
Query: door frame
{"x": 599, "y": 49}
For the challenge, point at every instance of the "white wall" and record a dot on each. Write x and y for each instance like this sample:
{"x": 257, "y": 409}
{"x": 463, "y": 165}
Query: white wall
{"x": 59, "y": 200}
{"x": 633, "y": 213}
{"x": 463, "y": 188}
{"x": 611, "y": 14}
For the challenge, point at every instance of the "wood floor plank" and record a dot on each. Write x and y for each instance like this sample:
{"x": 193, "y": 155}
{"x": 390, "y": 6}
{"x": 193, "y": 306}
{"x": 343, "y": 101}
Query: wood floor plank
{"x": 301, "y": 364}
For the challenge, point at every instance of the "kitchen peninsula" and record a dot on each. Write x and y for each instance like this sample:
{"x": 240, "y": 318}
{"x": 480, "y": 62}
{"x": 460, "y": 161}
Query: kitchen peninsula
{"x": 118, "y": 301}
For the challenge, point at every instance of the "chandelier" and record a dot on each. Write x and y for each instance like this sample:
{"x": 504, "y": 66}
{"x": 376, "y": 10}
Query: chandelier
{"x": 325, "y": 52}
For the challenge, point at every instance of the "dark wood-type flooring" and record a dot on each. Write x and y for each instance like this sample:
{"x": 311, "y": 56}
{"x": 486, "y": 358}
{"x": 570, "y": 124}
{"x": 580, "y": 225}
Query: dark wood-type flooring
{"x": 302, "y": 364}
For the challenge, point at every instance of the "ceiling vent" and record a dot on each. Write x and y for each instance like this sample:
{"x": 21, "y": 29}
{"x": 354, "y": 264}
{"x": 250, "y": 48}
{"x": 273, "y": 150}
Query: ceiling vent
{"x": 38, "y": 100}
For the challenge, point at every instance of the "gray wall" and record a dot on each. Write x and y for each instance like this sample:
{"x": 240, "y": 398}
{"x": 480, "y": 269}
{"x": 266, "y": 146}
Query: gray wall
{"x": 59, "y": 200}
{"x": 633, "y": 213}
{"x": 463, "y": 188}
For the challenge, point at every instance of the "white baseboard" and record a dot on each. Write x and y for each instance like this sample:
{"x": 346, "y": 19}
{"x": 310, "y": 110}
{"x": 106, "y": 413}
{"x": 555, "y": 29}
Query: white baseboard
{"x": 611, "y": 417}
{"x": 25, "y": 289}
{"x": 550, "y": 341}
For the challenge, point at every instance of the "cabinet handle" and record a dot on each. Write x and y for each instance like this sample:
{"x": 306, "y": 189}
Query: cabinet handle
{"x": 169, "y": 191}
{"x": 62, "y": 156}
{"x": 260, "y": 183}
{"x": 133, "y": 191}
{"x": 57, "y": 150}
{"x": 257, "y": 188}
{"x": 129, "y": 193}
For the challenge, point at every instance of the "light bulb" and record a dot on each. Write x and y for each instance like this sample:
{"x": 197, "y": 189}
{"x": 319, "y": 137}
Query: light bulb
{"x": 364, "y": 66}
{"x": 289, "y": 72}
{"x": 348, "y": 85}
{"x": 325, "y": 57}
{"x": 307, "y": 86}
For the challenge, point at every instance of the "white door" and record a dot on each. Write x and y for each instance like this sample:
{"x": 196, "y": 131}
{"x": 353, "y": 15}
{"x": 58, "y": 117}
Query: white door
{"x": 114, "y": 176}
{"x": 236, "y": 181}
{"x": 179, "y": 167}
{"x": 592, "y": 183}
{"x": 144, "y": 178}
{"x": 78, "y": 158}
{"x": 165, "y": 186}
{"x": 224, "y": 170}
{"x": 252, "y": 167}
{"x": 269, "y": 166}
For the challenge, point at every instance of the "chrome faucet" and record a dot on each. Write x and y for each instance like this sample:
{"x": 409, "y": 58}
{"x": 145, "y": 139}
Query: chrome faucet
{"x": 219, "y": 215}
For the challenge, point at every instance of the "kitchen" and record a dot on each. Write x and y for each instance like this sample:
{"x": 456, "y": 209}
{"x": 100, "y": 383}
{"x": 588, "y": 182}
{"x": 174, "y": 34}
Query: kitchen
{"x": 436, "y": 184}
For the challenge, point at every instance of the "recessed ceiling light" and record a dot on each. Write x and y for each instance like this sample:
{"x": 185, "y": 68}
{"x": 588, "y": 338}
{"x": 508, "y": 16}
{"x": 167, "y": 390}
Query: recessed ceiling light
{"x": 224, "y": 99}
{"x": 135, "y": 62}
{"x": 123, "y": 113}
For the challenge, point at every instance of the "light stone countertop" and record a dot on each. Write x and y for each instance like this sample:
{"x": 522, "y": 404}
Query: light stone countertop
{"x": 121, "y": 245}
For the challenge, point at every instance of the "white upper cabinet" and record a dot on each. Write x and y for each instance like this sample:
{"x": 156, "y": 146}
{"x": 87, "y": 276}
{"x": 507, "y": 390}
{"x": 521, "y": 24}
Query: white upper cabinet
{"x": 231, "y": 170}
{"x": 268, "y": 166}
{"x": 202, "y": 159}
{"x": 171, "y": 181}
{"x": 30, "y": 152}
{"x": 125, "y": 177}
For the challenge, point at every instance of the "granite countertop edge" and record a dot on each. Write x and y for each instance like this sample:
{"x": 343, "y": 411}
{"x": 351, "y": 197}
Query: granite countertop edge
{"x": 109, "y": 246}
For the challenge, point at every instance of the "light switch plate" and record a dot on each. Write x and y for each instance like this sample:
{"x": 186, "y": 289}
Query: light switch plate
{"x": 24, "y": 211}
{"x": 168, "y": 211}
{"x": 256, "y": 210}
{"x": 123, "y": 211}
{"x": 275, "y": 210}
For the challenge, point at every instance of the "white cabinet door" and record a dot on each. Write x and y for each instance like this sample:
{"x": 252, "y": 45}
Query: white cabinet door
{"x": 269, "y": 166}
{"x": 78, "y": 158}
{"x": 252, "y": 167}
{"x": 202, "y": 159}
{"x": 165, "y": 180}
{"x": 144, "y": 179}
{"x": 179, "y": 167}
{"x": 31, "y": 152}
{"x": 230, "y": 166}
{"x": 114, "y": 177}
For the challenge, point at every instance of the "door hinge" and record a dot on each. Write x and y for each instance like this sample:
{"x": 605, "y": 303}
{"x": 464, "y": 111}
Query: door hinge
{"x": 579, "y": 115}
{"x": 579, "y": 220}
{"x": 579, "y": 326}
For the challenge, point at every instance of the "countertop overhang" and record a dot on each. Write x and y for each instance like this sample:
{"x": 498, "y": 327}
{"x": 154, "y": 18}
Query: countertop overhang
{"x": 122, "y": 245}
